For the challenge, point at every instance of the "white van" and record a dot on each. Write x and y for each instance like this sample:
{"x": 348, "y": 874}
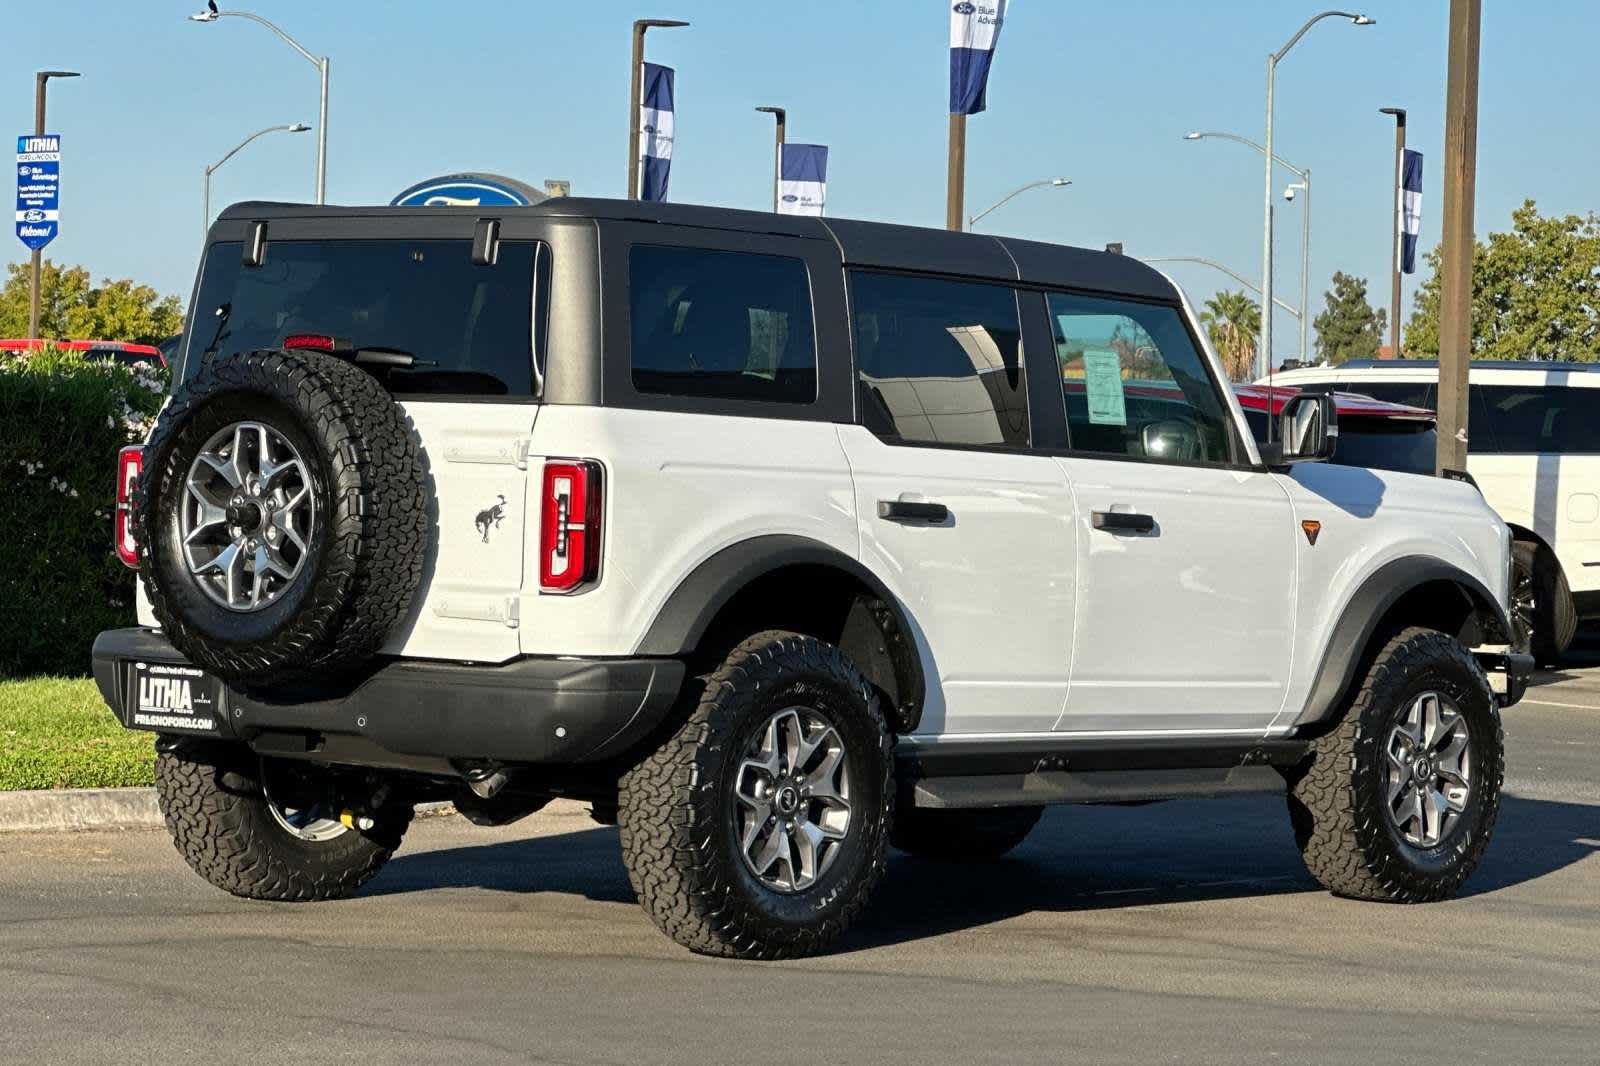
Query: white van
{"x": 1534, "y": 450}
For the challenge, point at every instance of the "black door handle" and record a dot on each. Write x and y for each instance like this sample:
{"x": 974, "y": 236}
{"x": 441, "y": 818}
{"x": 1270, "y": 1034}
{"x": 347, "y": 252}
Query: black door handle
{"x": 1122, "y": 522}
{"x": 912, "y": 511}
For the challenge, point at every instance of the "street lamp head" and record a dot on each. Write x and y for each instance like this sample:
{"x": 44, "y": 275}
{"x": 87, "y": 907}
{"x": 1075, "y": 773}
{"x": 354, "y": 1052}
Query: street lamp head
{"x": 772, "y": 110}
{"x": 1397, "y": 112}
{"x": 1362, "y": 20}
{"x": 1059, "y": 182}
{"x": 1193, "y": 136}
{"x": 297, "y": 127}
{"x": 59, "y": 74}
{"x": 650, "y": 24}
{"x": 208, "y": 15}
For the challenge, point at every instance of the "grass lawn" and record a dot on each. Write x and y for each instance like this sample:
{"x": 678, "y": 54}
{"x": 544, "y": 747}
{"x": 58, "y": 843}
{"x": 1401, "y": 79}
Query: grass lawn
{"x": 56, "y": 732}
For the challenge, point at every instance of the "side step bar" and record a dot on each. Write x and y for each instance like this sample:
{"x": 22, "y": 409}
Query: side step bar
{"x": 1093, "y": 786}
{"x": 955, "y": 773}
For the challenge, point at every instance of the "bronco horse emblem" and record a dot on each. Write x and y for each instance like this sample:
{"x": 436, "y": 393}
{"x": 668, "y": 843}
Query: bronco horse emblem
{"x": 490, "y": 517}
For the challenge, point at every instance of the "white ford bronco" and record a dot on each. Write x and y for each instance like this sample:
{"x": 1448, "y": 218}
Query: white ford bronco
{"x": 779, "y": 541}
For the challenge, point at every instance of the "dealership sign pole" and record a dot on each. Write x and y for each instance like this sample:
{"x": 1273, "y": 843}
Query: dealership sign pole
{"x": 38, "y": 190}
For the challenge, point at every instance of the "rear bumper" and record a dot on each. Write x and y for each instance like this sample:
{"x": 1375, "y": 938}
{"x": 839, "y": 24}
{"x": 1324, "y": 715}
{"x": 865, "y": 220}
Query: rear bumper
{"x": 1508, "y": 674}
{"x": 532, "y": 710}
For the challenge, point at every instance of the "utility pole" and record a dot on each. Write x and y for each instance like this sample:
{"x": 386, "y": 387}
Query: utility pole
{"x": 956, "y": 182}
{"x": 1455, "y": 269}
{"x": 640, "y": 26}
{"x": 1399, "y": 114}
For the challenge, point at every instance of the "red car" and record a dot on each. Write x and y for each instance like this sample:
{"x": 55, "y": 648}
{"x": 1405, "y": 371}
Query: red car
{"x": 1372, "y": 433}
{"x": 121, "y": 352}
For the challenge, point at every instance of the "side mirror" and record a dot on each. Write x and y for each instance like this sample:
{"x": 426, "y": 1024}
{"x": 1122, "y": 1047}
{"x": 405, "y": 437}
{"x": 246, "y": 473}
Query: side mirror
{"x": 1308, "y": 431}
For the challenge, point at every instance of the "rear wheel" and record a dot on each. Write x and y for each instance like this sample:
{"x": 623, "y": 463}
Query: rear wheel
{"x": 963, "y": 835}
{"x": 270, "y": 829}
{"x": 758, "y": 829}
{"x": 1541, "y": 602}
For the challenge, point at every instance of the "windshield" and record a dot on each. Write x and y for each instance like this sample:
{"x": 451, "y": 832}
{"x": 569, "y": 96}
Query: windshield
{"x": 468, "y": 326}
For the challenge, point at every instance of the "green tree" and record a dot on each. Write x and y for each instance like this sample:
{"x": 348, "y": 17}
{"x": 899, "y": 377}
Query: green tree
{"x": 71, "y": 308}
{"x": 1535, "y": 292}
{"x": 1233, "y": 322}
{"x": 1350, "y": 328}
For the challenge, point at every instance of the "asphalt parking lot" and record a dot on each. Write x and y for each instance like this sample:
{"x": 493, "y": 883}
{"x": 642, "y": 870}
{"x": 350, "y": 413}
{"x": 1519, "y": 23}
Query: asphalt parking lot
{"x": 1184, "y": 932}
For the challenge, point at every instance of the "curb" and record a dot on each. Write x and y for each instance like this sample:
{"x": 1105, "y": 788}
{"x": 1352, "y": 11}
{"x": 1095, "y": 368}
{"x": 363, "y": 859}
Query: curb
{"x": 72, "y": 809}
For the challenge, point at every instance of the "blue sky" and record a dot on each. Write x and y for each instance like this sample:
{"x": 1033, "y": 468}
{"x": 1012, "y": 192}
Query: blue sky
{"x": 1100, "y": 93}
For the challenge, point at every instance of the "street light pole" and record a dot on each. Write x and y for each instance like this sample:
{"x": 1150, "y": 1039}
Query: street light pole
{"x": 1264, "y": 349}
{"x": 205, "y": 203}
{"x": 1304, "y": 174}
{"x": 782, "y": 118}
{"x": 1056, "y": 183}
{"x": 1234, "y": 274}
{"x": 212, "y": 14}
{"x": 1399, "y": 114}
{"x": 640, "y": 27}
{"x": 35, "y": 260}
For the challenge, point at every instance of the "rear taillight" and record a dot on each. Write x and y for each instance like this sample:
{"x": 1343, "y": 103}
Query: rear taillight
{"x": 130, "y": 463}
{"x": 569, "y": 532}
{"x": 315, "y": 342}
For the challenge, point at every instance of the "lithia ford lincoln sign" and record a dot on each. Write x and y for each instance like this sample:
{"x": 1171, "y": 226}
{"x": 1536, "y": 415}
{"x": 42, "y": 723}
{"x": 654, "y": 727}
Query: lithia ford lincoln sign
{"x": 38, "y": 189}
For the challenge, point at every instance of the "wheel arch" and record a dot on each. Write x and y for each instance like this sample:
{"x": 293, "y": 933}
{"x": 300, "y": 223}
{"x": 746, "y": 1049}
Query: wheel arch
{"x": 1408, "y": 591}
{"x": 791, "y": 582}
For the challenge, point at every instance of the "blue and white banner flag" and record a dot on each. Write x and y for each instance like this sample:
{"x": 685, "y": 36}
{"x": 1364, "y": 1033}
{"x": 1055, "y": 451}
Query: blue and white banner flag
{"x": 974, "y": 29}
{"x": 803, "y": 179}
{"x": 655, "y": 132}
{"x": 1410, "y": 210}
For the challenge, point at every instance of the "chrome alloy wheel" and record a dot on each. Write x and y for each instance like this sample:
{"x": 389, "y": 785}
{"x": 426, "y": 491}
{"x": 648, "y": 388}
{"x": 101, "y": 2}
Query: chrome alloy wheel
{"x": 1524, "y": 606}
{"x": 793, "y": 793}
{"x": 1429, "y": 770}
{"x": 315, "y": 823}
{"x": 247, "y": 516}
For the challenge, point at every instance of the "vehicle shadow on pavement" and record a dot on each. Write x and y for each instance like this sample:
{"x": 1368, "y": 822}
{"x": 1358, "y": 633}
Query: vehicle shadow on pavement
{"x": 1583, "y": 654}
{"x": 1079, "y": 859}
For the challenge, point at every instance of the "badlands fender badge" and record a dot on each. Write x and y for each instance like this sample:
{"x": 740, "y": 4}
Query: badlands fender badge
{"x": 1311, "y": 528}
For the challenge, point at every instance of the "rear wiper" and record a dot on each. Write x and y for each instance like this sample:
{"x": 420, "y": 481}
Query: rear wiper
{"x": 223, "y": 313}
{"x": 399, "y": 358}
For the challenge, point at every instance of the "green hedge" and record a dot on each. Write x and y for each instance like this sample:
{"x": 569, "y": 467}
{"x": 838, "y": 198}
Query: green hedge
{"x": 61, "y": 423}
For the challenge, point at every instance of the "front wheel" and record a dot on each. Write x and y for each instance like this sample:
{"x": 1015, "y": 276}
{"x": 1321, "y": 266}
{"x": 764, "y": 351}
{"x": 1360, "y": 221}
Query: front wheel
{"x": 270, "y": 829}
{"x": 1398, "y": 802}
{"x": 758, "y": 829}
{"x": 1541, "y": 603}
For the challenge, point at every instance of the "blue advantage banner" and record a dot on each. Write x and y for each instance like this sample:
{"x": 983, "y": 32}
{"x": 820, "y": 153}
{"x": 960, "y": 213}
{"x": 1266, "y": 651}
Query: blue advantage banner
{"x": 38, "y": 189}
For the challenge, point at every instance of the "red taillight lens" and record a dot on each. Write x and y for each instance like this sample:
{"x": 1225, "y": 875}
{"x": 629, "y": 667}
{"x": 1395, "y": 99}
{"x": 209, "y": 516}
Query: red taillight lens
{"x": 569, "y": 531}
{"x": 130, "y": 464}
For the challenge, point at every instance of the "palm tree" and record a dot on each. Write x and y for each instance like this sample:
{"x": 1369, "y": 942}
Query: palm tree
{"x": 1233, "y": 322}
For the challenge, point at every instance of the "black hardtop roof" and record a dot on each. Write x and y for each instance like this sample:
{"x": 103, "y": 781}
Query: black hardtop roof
{"x": 872, "y": 244}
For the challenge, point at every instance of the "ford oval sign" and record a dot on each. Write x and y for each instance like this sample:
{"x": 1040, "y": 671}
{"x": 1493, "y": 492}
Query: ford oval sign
{"x": 468, "y": 190}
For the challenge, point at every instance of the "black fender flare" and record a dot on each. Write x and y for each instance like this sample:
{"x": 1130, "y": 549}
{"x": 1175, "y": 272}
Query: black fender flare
{"x": 686, "y": 616}
{"x": 1377, "y": 594}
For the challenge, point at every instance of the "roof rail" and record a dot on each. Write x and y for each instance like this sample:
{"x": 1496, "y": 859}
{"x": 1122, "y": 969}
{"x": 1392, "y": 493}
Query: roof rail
{"x": 1487, "y": 364}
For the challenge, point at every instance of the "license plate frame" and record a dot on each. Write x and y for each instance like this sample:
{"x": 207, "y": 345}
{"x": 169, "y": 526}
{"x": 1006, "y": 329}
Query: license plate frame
{"x": 173, "y": 698}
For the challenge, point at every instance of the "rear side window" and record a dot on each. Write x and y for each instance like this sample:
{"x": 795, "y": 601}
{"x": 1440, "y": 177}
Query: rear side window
{"x": 1536, "y": 418}
{"x": 468, "y": 326}
{"x": 721, "y": 325}
{"x": 1135, "y": 384}
{"x": 939, "y": 361}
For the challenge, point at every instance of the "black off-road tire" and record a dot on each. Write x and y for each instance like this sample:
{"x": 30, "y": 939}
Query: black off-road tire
{"x": 962, "y": 835}
{"x": 1336, "y": 800}
{"x": 216, "y": 810}
{"x": 678, "y": 827}
{"x": 1553, "y": 618}
{"x": 365, "y": 556}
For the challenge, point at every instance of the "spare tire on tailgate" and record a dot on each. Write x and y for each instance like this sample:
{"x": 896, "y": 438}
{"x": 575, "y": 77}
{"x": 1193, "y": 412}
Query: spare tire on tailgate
{"x": 280, "y": 516}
